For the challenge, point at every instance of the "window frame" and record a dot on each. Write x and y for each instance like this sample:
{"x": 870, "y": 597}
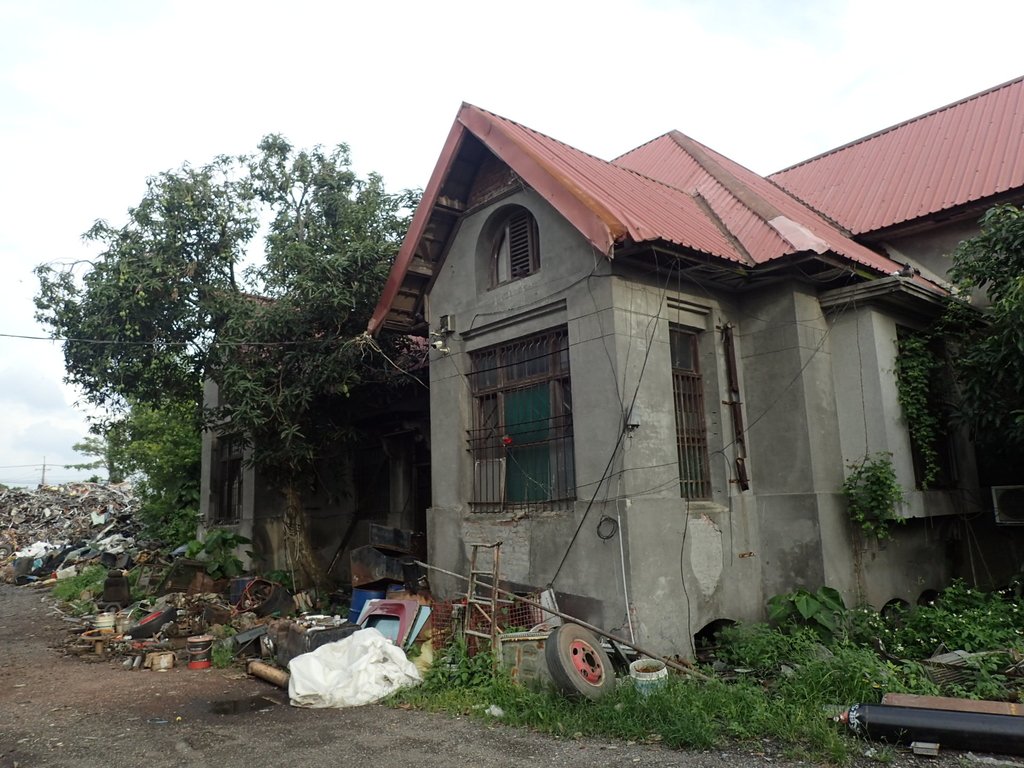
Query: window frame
{"x": 692, "y": 451}
{"x": 229, "y": 482}
{"x": 521, "y": 434}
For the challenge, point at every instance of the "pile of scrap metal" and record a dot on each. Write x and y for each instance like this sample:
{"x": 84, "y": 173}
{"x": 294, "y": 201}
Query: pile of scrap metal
{"x": 389, "y": 559}
{"x": 51, "y": 528}
{"x": 169, "y": 623}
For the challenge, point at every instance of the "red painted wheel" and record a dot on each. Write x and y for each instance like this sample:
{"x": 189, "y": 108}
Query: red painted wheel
{"x": 577, "y": 662}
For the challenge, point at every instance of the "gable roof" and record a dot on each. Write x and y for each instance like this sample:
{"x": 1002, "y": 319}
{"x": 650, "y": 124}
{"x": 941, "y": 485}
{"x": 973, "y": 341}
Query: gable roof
{"x": 964, "y": 152}
{"x": 672, "y": 190}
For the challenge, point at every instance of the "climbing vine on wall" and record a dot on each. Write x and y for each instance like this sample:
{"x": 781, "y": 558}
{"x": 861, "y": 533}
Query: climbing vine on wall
{"x": 917, "y": 370}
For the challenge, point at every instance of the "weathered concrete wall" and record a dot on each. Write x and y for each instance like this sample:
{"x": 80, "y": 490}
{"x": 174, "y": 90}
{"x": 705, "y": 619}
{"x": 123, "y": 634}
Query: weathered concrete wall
{"x": 816, "y": 391}
{"x": 682, "y": 564}
{"x": 931, "y": 249}
{"x": 571, "y": 289}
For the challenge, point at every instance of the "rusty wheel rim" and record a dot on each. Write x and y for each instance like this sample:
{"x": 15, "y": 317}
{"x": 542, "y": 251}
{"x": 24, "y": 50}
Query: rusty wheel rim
{"x": 586, "y": 661}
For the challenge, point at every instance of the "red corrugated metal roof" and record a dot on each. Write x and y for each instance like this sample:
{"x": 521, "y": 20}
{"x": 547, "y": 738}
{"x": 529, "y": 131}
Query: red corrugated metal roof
{"x": 629, "y": 203}
{"x": 673, "y": 189}
{"x": 766, "y": 221}
{"x": 966, "y": 151}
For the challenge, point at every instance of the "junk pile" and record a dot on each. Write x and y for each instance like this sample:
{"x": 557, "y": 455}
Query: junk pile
{"x": 57, "y": 527}
{"x": 174, "y": 628}
{"x": 191, "y": 620}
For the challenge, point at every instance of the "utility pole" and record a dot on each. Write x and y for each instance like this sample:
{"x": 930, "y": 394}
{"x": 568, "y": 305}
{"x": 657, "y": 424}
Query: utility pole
{"x": 42, "y": 482}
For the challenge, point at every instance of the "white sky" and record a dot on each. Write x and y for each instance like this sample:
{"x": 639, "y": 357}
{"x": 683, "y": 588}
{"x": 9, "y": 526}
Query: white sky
{"x": 95, "y": 96}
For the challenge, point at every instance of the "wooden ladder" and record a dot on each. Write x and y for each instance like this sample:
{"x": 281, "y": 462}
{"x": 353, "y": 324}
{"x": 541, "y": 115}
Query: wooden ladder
{"x": 484, "y": 606}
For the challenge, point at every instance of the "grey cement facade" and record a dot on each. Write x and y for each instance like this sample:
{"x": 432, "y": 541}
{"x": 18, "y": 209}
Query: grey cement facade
{"x": 818, "y": 391}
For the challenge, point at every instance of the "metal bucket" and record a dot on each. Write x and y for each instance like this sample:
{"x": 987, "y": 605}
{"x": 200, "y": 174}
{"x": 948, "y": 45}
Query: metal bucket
{"x": 104, "y": 622}
{"x": 199, "y": 649}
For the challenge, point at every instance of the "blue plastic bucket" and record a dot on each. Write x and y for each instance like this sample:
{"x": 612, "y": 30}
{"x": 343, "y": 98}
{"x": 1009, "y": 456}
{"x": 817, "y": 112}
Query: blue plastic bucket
{"x": 359, "y": 598}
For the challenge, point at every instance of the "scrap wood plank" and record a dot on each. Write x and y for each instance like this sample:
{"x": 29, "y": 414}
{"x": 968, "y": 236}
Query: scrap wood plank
{"x": 953, "y": 704}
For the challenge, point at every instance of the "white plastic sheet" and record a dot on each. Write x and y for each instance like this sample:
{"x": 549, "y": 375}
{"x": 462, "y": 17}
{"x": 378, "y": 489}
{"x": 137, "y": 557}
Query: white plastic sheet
{"x": 359, "y": 669}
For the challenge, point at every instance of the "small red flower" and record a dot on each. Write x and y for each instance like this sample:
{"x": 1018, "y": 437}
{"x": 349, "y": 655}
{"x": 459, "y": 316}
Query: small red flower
{"x": 506, "y": 440}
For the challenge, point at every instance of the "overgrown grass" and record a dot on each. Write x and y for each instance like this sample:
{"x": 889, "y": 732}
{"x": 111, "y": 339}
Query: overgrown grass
{"x": 90, "y": 579}
{"x": 783, "y": 685}
{"x": 684, "y": 714}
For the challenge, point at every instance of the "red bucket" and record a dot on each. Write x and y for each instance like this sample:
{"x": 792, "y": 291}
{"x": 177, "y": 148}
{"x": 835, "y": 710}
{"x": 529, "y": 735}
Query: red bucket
{"x": 199, "y": 649}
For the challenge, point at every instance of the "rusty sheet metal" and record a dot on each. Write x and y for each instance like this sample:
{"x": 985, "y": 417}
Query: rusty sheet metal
{"x": 953, "y": 704}
{"x": 371, "y": 566}
{"x": 628, "y": 203}
{"x": 606, "y": 203}
{"x": 960, "y": 153}
{"x": 766, "y": 220}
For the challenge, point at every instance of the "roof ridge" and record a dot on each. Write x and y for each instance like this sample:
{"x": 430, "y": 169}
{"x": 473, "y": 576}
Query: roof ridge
{"x": 706, "y": 159}
{"x": 897, "y": 126}
{"x": 615, "y": 160}
{"x": 539, "y": 133}
{"x": 622, "y": 168}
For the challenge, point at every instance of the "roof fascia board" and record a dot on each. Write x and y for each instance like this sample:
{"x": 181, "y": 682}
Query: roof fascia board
{"x": 593, "y": 220}
{"x": 884, "y": 290}
{"x": 417, "y": 227}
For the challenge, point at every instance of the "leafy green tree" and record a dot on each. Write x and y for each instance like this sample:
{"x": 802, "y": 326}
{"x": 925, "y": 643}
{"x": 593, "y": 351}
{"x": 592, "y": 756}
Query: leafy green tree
{"x": 989, "y": 360}
{"x": 106, "y": 444}
{"x": 169, "y": 303}
{"x": 163, "y": 450}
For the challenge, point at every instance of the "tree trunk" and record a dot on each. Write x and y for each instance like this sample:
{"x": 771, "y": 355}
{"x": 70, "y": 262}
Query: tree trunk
{"x": 307, "y": 571}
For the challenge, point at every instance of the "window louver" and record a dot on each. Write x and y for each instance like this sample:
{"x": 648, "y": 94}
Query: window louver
{"x": 520, "y": 245}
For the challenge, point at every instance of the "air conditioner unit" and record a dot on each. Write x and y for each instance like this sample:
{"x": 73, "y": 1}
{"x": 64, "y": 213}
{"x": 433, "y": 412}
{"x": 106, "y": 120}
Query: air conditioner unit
{"x": 1008, "y": 502}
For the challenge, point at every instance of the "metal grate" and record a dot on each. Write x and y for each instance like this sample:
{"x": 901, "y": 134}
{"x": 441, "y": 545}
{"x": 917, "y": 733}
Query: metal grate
{"x": 449, "y": 619}
{"x": 691, "y": 428}
{"x": 521, "y": 438}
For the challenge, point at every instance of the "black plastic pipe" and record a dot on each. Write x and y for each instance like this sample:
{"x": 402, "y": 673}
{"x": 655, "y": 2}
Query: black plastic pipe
{"x": 977, "y": 731}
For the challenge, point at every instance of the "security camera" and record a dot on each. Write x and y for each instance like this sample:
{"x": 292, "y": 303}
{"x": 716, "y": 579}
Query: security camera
{"x": 437, "y": 344}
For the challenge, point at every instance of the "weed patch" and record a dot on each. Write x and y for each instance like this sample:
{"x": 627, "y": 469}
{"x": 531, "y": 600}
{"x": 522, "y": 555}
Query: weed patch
{"x": 90, "y": 579}
{"x": 780, "y": 684}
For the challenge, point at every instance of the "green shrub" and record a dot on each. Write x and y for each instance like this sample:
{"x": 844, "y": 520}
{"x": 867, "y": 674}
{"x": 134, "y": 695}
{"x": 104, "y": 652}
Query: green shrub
{"x": 963, "y": 618}
{"x": 90, "y": 578}
{"x": 873, "y": 494}
{"x": 217, "y": 551}
{"x": 823, "y": 612}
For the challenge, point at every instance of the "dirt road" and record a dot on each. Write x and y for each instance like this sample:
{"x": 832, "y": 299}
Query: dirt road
{"x": 57, "y": 710}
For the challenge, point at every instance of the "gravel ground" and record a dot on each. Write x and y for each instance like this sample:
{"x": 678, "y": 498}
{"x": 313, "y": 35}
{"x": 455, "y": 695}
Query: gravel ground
{"x": 60, "y": 710}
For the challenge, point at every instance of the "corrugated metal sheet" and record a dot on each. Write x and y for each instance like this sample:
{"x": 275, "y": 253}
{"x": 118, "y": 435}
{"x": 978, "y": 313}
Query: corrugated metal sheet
{"x": 767, "y": 221}
{"x": 958, "y": 154}
{"x": 628, "y": 202}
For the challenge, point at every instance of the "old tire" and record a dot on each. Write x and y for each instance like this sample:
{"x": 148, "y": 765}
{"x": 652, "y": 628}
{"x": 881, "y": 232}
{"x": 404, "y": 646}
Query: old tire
{"x": 578, "y": 664}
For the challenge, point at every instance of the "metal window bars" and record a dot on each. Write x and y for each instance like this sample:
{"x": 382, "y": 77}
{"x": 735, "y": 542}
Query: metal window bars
{"x": 521, "y": 437}
{"x": 691, "y": 428}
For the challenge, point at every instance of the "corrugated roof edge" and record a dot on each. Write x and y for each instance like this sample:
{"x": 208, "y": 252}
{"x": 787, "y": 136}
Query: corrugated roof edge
{"x": 895, "y": 126}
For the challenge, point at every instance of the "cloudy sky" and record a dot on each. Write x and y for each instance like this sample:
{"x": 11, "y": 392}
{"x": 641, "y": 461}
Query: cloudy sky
{"x": 96, "y": 96}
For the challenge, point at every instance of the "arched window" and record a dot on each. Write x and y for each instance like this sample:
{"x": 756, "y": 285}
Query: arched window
{"x": 516, "y": 253}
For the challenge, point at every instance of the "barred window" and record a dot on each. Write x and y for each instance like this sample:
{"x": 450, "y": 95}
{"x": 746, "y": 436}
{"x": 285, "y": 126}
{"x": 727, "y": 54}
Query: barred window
{"x": 691, "y": 428}
{"x": 521, "y": 435}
